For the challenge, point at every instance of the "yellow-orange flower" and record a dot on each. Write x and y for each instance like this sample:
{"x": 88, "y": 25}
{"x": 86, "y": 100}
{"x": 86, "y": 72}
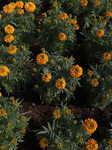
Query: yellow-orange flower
{"x": 12, "y": 4}
{"x": 0, "y": 16}
{"x": 46, "y": 77}
{"x": 62, "y": 36}
{"x": 8, "y": 9}
{"x": 94, "y": 82}
{"x": 56, "y": 113}
{"x": 90, "y": 125}
{"x": 76, "y": 27}
{"x": 12, "y": 98}
{"x": 59, "y": 145}
{"x": 15, "y": 103}
{"x": 110, "y": 142}
{"x": 104, "y": 22}
{"x": 9, "y": 124}
{"x": 63, "y": 16}
{"x": 19, "y": 4}
{"x": 42, "y": 58}
{"x": 3, "y": 147}
{"x": 96, "y": 3}
{"x": 30, "y": 7}
{"x": 76, "y": 71}
{"x": 81, "y": 140}
{"x": 23, "y": 118}
{"x": 2, "y": 112}
{"x": 68, "y": 111}
{"x": 43, "y": 143}
{"x": 91, "y": 145}
{"x": 99, "y": 33}
{"x": 105, "y": 99}
{"x": 74, "y": 21}
{"x": 20, "y": 11}
{"x": 23, "y": 131}
{"x": 8, "y": 29}
{"x": 0, "y": 94}
{"x": 83, "y": 3}
{"x": 8, "y": 38}
{"x": 14, "y": 140}
{"x": 4, "y": 71}
{"x": 60, "y": 83}
{"x": 106, "y": 56}
{"x": 12, "y": 49}
{"x": 90, "y": 73}
{"x": 108, "y": 14}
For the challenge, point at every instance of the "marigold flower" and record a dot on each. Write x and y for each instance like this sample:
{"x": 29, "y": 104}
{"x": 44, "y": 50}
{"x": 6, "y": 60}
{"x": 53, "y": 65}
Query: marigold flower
{"x": 91, "y": 145}
{"x": 73, "y": 58}
{"x": 76, "y": 27}
{"x": 0, "y": 16}
{"x": 59, "y": 145}
{"x": 42, "y": 58}
{"x": 96, "y": 3}
{"x": 62, "y": 36}
{"x": 105, "y": 99}
{"x": 4, "y": 71}
{"x": 99, "y": 33}
{"x": 19, "y": 4}
{"x": 106, "y": 56}
{"x": 56, "y": 113}
{"x": 90, "y": 73}
{"x": 15, "y": 103}
{"x": 9, "y": 29}
{"x": 23, "y": 118}
{"x": 3, "y": 147}
{"x": 2, "y": 112}
{"x": 12, "y": 98}
{"x": 0, "y": 94}
{"x": 9, "y": 124}
{"x": 110, "y": 142}
{"x": 69, "y": 22}
{"x": 104, "y": 22}
{"x": 12, "y": 4}
{"x": 55, "y": 5}
{"x": 83, "y": 3}
{"x": 36, "y": 86}
{"x": 30, "y": 7}
{"x": 49, "y": 21}
{"x": 68, "y": 111}
{"x": 20, "y": 11}
{"x": 95, "y": 20}
{"x": 74, "y": 21}
{"x": 43, "y": 143}
{"x": 108, "y": 14}
{"x": 35, "y": 69}
{"x": 23, "y": 131}
{"x": 12, "y": 49}
{"x": 94, "y": 82}
{"x": 55, "y": 20}
{"x": 81, "y": 140}
{"x": 74, "y": 121}
{"x": 60, "y": 83}
{"x": 110, "y": 91}
{"x": 25, "y": 63}
{"x": 71, "y": 87}
{"x": 8, "y": 38}
{"x": 63, "y": 16}
{"x": 8, "y": 9}
{"x": 90, "y": 125}
{"x": 76, "y": 71}
{"x": 46, "y": 77}
{"x": 14, "y": 140}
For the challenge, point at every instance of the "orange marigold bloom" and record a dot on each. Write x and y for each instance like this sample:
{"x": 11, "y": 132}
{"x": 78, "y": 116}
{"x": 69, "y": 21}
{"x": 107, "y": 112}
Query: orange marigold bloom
{"x": 104, "y": 22}
{"x": 0, "y": 16}
{"x": 81, "y": 140}
{"x": 96, "y": 3}
{"x": 91, "y": 145}
{"x": 56, "y": 113}
{"x": 23, "y": 131}
{"x": 43, "y": 143}
{"x": 55, "y": 5}
{"x": 60, "y": 83}
{"x": 20, "y": 11}
{"x": 42, "y": 58}
{"x": 12, "y": 4}
{"x": 63, "y": 16}
{"x": 14, "y": 140}
{"x": 8, "y": 29}
{"x": 4, "y": 71}
{"x": 76, "y": 27}
{"x": 106, "y": 56}
{"x": 3, "y": 147}
{"x": 46, "y": 77}
{"x": 19, "y": 4}
{"x": 2, "y": 112}
{"x": 99, "y": 33}
{"x": 8, "y": 38}
{"x": 83, "y": 3}
{"x": 15, "y": 103}
{"x": 110, "y": 142}
{"x": 105, "y": 99}
{"x": 62, "y": 36}
{"x": 23, "y": 118}
{"x": 108, "y": 14}
{"x": 90, "y": 73}
{"x": 12, "y": 49}
{"x": 94, "y": 82}
{"x": 76, "y": 71}
{"x": 30, "y": 7}
{"x": 90, "y": 125}
{"x": 8, "y": 9}
{"x": 74, "y": 21}
{"x": 68, "y": 111}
